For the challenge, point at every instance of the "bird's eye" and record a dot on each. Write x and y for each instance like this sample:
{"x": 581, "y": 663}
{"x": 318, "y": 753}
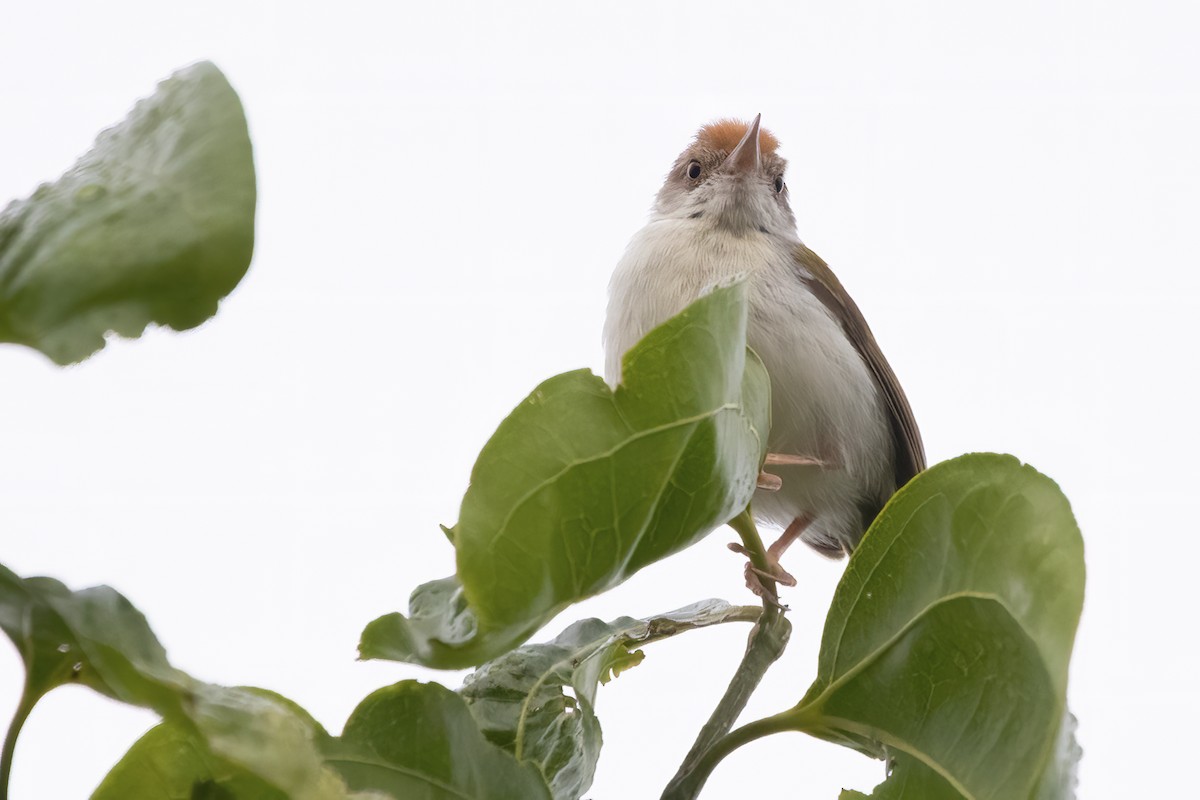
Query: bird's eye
{"x": 778, "y": 184}
{"x": 693, "y": 170}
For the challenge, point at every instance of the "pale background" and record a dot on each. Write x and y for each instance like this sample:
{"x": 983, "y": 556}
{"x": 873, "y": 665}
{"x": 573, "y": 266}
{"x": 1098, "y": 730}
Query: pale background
{"x": 1011, "y": 195}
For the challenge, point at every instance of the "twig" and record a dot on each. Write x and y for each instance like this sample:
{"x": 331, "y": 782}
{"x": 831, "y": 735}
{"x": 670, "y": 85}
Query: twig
{"x": 768, "y": 638}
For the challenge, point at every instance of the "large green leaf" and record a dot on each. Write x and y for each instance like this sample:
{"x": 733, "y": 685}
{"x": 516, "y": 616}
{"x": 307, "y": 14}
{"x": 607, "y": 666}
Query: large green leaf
{"x": 538, "y": 702}
{"x": 581, "y": 486}
{"x": 415, "y": 741}
{"x": 951, "y": 632}
{"x": 962, "y": 690}
{"x": 95, "y": 637}
{"x": 154, "y": 224}
{"x": 909, "y": 779}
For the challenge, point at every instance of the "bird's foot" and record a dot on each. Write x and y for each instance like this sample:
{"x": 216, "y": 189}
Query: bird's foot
{"x": 769, "y": 482}
{"x": 763, "y": 581}
{"x": 787, "y": 459}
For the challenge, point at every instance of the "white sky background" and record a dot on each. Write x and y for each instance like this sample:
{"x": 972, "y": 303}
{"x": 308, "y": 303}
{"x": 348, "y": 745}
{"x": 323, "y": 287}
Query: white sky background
{"x": 1011, "y": 195}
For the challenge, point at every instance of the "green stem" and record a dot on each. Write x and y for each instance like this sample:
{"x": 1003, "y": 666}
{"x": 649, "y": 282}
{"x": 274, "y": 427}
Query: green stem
{"x": 10, "y": 740}
{"x": 743, "y": 523}
{"x": 691, "y": 784}
{"x": 767, "y": 641}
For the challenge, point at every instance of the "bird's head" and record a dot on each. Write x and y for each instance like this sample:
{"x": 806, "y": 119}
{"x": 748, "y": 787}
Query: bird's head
{"x": 731, "y": 175}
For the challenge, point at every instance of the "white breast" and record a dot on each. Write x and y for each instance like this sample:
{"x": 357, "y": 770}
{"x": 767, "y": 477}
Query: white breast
{"x": 825, "y": 403}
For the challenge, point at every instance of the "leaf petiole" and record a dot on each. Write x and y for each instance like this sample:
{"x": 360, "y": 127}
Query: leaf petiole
{"x": 10, "y": 738}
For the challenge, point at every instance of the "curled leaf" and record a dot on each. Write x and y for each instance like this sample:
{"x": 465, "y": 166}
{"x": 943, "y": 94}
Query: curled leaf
{"x": 538, "y": 701}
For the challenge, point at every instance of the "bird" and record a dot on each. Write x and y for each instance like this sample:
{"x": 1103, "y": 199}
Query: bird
{"x": 843, "y": 437}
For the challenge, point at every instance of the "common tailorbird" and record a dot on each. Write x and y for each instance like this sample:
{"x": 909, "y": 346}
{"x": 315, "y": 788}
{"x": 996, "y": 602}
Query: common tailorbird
{"x": 843, "y": 436}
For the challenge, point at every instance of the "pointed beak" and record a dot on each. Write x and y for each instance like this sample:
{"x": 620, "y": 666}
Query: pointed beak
{"x": 745, "y": 158}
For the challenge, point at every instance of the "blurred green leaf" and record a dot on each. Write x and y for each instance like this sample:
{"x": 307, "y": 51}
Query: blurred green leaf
{"x": 96, "y": 637}
{"x": 171, "y": 763}
{"x": 415, "y": 741}
{"x": 582, "y": 486}
{"x": 538, "y": 702}
{"x": 154, "y": 224}
{"x": 951, "y": 631}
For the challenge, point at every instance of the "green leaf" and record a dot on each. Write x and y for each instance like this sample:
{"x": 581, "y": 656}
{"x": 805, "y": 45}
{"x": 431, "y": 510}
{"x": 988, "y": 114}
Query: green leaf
{"x": 963, "y": 690}
{"x": 266, "y": 736}
{"x": 170, "y": 763}
{"x": 438, "y": 627}
{"x": 951, "y": 631}
{"x": 1061, "y": 776}
{"x": 419, "y": 742}
{"x": 908, "y": 779}
{"x": 154, "y": 224}
{"x": 538, "y": 702}
{"x": 95, "y": 637}
{"x": 581, "y": 486}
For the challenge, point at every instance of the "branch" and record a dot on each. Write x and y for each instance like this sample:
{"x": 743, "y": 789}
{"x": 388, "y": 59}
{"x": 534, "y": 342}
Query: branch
{"x": 766, "y": 643}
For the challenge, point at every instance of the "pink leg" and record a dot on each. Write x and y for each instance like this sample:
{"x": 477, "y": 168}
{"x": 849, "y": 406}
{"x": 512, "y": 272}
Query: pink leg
{"x": 791, "y": 534}
{"x": 795, "y": 461}
{"x": 775, "y": 571}
{"x": 769, "y": 482}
